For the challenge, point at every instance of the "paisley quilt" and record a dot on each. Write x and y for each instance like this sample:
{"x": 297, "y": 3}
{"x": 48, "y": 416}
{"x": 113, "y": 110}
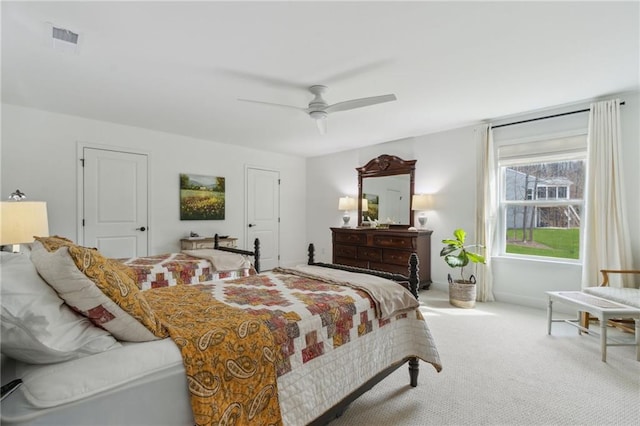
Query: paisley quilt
{"x": 228, "y": 357}
{"x": 307, "y": 329}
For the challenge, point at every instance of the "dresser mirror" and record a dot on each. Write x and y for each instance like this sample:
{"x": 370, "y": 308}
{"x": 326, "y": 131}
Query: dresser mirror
{"x": 387, "y": 185}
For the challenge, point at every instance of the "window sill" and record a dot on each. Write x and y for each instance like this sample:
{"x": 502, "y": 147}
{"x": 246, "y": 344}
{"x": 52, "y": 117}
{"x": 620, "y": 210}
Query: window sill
{"x": 537, "y": 259}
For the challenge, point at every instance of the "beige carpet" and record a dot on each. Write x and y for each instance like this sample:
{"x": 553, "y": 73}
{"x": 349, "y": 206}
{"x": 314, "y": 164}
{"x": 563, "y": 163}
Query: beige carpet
{"x": 501, "y": 368}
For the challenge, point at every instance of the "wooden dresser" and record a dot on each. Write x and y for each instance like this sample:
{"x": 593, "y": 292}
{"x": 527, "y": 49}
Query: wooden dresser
{"x": 384, "y": 250}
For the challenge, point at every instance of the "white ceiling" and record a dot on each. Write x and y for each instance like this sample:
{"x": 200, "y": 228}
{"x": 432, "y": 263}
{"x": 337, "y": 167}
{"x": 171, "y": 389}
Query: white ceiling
{"x": 180, "y": 67}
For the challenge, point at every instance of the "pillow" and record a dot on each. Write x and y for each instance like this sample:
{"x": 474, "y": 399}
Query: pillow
{"x": 37, "y": 327}
{"x": 104, "y": 290}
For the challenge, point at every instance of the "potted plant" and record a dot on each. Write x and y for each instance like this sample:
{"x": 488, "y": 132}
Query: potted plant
{"x": 462, "y": 292}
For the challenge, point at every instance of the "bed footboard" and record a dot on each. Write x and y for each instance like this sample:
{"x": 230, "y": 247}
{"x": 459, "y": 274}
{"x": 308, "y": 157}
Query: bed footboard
{"x": 255, "y": 253}
{"x": 411, "y": 283}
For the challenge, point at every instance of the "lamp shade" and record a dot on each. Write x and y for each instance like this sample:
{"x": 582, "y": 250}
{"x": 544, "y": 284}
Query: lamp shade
{"x": 347, "y": 203}
{"x": 421, "y": 202}
{"x": 22, "y": 220}
{"x": 365, "y": 205}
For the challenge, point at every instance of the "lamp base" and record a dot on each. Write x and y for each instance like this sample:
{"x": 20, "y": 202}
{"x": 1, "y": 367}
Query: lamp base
{"x": 422, "y": 220}
{"x": 345, "y": 219}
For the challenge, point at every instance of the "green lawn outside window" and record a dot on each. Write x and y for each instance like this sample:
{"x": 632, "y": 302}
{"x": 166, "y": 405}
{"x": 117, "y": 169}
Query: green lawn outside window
{"x": 549, "y": 242}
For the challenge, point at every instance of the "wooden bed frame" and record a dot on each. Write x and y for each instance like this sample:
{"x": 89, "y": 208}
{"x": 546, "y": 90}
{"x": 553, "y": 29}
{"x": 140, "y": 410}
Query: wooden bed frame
{"x": 411, "y": 283}
{"x": 255, "y": 253}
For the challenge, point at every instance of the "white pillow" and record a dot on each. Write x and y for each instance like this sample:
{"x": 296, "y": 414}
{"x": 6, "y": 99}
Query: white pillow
{"x": 80, "y": 292}
{"x": 37, "y": 327}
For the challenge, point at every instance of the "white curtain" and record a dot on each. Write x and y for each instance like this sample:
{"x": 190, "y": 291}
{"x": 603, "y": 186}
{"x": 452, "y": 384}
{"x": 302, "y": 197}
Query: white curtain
{"x": 486, "y": 210}
{"x": 606, "y": 243}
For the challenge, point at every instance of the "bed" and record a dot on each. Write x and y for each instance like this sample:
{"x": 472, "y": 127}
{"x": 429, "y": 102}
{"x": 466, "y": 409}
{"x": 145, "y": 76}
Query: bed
{"x": 333, "y": 338}
{"x": 195, "y": 266}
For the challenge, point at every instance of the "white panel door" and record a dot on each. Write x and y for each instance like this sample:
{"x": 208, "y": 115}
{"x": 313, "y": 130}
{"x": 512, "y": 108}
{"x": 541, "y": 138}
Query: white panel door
{"x": 263, "y": 215}
{"x": 115, "y": 202}
{"x": 393, "y": 202}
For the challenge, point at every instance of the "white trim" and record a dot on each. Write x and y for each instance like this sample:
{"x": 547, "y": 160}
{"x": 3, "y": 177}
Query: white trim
{"x": 525, "y": 155}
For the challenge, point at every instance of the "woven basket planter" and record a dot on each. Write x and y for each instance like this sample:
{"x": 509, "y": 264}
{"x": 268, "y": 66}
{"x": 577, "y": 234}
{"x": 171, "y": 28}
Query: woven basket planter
{"x": 462, "y": 294}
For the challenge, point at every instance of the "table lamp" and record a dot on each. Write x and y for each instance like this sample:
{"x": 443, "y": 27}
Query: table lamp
{"x": 20, "y": 221}
{"x": 346, "y": 204}
{"x": 421, "y": 203}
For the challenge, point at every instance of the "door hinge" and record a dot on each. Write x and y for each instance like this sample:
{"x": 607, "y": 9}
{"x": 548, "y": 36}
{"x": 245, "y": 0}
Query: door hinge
{"x": 278, "y": 220}
{"x": 278, "y": 257}
{"x": 82, "y": 222}
{"x": 278, "y": 181}
{"x": 82, "y": 161}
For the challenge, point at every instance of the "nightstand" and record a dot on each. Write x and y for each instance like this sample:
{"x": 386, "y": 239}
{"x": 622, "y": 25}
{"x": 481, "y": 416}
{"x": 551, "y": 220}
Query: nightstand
{"x": 206, "y": 243}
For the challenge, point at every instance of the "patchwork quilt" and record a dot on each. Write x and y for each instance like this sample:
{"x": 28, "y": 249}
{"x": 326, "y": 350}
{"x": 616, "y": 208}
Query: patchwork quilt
{"x": 316, "y": 327}
{"x": 171, "y": 269}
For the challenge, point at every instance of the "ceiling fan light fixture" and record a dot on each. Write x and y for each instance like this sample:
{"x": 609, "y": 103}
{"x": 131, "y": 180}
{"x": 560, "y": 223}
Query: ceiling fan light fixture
{"x": 320, "y": 118}
{"x": 318, "y": 115}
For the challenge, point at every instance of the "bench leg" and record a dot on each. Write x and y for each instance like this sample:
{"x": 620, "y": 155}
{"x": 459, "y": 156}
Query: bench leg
{"x": 584, "y": 320}
{"x": 637, "y": 321}
{"x": 549, "y": 315}
{"x": 603, "y": 339}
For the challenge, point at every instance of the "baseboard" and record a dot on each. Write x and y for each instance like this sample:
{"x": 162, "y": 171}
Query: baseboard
{"x": 515, "y": 299}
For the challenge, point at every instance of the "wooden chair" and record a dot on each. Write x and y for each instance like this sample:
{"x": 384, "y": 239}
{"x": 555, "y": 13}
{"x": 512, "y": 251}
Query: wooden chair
{"x": 621, "y": 323}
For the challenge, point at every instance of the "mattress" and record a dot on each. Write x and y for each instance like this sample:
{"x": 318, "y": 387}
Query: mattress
{"x": 144, "y": 383}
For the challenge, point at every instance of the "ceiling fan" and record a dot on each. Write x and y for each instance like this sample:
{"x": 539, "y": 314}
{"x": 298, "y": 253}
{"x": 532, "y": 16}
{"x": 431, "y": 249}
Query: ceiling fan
{"x": 318, "y": 108}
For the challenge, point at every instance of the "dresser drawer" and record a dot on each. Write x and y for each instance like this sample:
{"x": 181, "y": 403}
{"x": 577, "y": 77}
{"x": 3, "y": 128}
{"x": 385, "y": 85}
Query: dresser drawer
{"x": 370, "y": 253}
{"x": 351, "y": 262}
{"x": 351, "y": 237}
{"x": 340, "y": 250}
{"x": 387, "y": 267}
{"x": 396, "y": 241}
{"x": 397, "y": 257}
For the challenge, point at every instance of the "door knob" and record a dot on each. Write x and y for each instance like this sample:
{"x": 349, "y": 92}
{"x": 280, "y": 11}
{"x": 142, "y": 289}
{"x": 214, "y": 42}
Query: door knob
{"x": 251, "y": 225}
{"x": 142, "y": 228}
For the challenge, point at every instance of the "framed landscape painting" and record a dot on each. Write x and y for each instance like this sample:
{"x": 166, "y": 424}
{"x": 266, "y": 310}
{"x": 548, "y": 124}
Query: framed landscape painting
{"x": 201, "y": 197}
{"x": 372, "y": 201}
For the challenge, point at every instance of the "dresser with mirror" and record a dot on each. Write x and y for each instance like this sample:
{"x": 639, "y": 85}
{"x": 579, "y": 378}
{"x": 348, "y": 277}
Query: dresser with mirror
{"x": 385, "y": 190}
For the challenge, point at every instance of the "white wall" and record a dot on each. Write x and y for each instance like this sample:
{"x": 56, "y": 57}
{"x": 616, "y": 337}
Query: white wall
{"x": 39, "y": 156}
{"x": 446, "y": 167}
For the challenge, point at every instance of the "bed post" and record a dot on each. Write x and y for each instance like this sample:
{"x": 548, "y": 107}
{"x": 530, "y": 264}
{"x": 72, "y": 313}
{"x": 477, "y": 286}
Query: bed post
{"x": 256, "y": 255}
{"x": 216, "y": 242}
{"x": 413, "y": 275}
{"x": 414, "y": 363}
{"x": 311, "y": 252}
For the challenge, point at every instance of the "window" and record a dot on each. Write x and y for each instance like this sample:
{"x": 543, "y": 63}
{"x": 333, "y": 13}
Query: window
{"x": 541, "y": 197}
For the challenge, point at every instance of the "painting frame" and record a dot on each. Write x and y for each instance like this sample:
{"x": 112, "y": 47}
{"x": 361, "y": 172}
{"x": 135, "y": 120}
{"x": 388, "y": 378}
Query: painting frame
{"x": 202, "y": 197}
{"x": 373, "y": 206}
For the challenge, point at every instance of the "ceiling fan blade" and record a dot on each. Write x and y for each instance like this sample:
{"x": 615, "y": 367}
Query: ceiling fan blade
{"x": 261, "y": 79}
{"x": 359, "y": 103}
{"x": 274, "y": 104}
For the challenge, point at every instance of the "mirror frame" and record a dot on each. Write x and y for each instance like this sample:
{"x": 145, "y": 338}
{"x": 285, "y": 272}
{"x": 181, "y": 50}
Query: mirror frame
{"x": 387, "y": 165}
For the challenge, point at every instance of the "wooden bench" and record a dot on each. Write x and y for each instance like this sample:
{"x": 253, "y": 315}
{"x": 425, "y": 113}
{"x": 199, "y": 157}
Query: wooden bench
{"x": 600, "y": 308}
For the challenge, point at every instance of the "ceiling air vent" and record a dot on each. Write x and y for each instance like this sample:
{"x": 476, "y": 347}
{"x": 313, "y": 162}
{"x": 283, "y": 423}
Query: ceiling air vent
{"x": 63, "y": 39}
{"x": 64, "y": 35}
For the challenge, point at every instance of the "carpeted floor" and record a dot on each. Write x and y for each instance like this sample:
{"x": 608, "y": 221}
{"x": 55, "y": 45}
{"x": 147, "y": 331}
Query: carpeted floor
{"x": 501, "y": 368}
